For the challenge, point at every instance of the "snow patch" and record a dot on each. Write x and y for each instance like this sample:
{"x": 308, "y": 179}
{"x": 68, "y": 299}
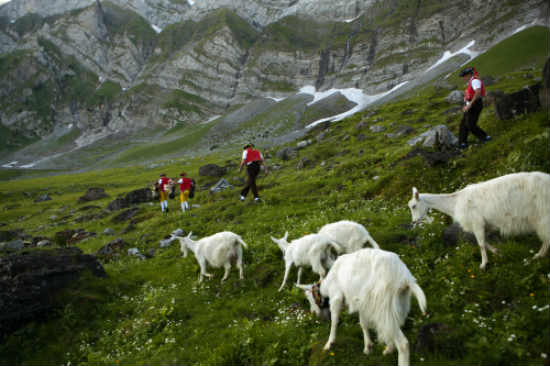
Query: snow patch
{"x": 213, "y": 118}
{"x": 191, "y": 2}
{"x": 156, "y": 28}
{"x": 352, "y": 94}
{"x": 276, "y": 99}
{"x": 11, "y": 164}
{"x": 448, "y": 54}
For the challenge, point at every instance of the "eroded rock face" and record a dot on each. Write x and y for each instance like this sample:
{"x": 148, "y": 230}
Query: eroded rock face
{"x": 29, "y": 282}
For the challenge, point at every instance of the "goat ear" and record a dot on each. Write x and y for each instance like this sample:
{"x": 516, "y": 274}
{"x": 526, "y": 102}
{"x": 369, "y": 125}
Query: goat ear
{"x": 286, "y": 235}
{"x": 415, "y": 193}
{"x": 189, "y": 236}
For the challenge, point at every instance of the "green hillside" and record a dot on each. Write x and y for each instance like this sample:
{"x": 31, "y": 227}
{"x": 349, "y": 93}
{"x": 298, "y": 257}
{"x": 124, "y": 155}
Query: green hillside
{"x": 155, "y": 311}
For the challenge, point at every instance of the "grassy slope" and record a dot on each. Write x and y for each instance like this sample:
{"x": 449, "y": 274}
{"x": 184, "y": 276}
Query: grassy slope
{"x": 155, "y": 312}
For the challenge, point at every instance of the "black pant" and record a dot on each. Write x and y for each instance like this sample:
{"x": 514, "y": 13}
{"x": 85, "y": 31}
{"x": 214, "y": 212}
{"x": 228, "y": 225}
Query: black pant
{"x": 253, "y": 169}
{"x": 469, "y": 123}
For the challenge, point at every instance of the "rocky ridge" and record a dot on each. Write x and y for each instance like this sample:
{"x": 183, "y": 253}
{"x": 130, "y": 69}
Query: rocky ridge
{"x": 99, "y": 68}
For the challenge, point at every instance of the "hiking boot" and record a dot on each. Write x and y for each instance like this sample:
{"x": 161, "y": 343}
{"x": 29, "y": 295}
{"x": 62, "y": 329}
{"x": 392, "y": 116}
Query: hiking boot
{"x": 487, "y": 138}
{"x": 257, "y": 199}
{"x": 242, "y": 198}
{"x": 462, "y": 146}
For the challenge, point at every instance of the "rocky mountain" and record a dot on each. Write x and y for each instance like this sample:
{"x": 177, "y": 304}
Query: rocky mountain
{"x": 85, "y": 70}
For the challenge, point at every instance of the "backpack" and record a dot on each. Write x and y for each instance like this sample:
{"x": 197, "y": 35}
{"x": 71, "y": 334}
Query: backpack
{"x": 192, "y": 189}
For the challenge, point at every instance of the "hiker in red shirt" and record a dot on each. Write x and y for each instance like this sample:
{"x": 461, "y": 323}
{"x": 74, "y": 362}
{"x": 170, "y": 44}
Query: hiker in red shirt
{"x": 473, "y": 97}
{"x": 185, "y": 188}
{"x": 164, "y": 184}
{"x": 252, "y": 158}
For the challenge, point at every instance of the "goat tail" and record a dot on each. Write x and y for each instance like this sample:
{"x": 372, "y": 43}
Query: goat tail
{"x": 240, "y": 240}
{"x": 373, "y": 242}
{"x": 419, "y": 294}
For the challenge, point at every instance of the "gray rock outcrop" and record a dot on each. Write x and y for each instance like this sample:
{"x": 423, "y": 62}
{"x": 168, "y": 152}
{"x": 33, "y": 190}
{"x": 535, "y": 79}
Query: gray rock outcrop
{"x": 28, "y": 283}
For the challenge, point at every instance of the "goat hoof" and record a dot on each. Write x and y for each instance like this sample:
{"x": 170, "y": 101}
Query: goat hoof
{"x": 326, "y": 347}
{"x": 388, "y": 350}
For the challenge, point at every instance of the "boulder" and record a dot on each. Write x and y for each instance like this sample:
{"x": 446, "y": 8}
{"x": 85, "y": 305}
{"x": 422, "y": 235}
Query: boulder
{"x": 455, "y": 97}
{"x": 212, "y": 170}
{"x": 111, "y": 250}
{"x": 440, "y": 135}
{"x": 118, "y": 204}
{"x": 135, "y": 252}
{"x": 287, "y": 153}
{"x": 93, "y": 194}
{"x": 139, "y": 196}
{"x": 520, "y": 102}
{"x": 13, "y": 245}
{"x": 30, "y": 281}
{"x": 220, "y": 186}
{"x": 304, "y": 143}
{"x": 304, "y": 163}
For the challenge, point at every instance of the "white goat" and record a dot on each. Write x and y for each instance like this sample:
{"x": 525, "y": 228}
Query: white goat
{"x": 350, "y": 235}
{"x": 217, "y": 250}
{"x": 376, "y": 284}
{"x": 513, "y": 204}
{"x": 310, "y": 250}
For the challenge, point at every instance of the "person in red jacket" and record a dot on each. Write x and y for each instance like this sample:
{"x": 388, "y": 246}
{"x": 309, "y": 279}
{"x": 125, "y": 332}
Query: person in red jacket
{"x": 185, "y": 188}
{"x": 473, "y": 98}
{"x": 164, "y": 184}
{"x": 252, "y": 158}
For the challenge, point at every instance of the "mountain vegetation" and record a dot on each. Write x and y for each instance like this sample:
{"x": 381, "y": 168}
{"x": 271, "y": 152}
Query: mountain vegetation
{"x": 154, "y": 311}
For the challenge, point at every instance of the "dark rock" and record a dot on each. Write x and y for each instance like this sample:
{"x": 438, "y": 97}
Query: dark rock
{"x": 520, "y": 102}
{"x": 7, "y": 235}
{"x": 126, "y": 215}
{"x": 13, "y": 245}
{"x": 118, "y": 204}
{"x": 93, "y": 194}
{"x": 70, "y": 237}
{"x": 212, "y": 170}
{"x": 29, "y": 282}
{"x": 304, "y": 163}
{"x": 112, "y": 249}
{"x": 287, "y": 153}
{"x": 42, "y": 198}
{"x": 139, "y": 196}
{"x": 432, "y": 158}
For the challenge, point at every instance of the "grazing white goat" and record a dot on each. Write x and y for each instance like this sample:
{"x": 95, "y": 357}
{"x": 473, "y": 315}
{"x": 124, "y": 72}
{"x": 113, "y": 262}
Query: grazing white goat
{"x": 217, "y": 250}
{"x": 376, "y": 284}
{"x": 514, "y": 204}
{"x": 350, "y": 235}
{"x": 310, "y": 250}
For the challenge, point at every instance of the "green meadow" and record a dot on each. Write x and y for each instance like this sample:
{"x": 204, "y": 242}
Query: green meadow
{"x": 155, "y": 311}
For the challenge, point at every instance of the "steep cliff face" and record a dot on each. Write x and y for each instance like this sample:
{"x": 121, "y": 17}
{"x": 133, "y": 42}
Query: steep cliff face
{"x": 106, "y": 67}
